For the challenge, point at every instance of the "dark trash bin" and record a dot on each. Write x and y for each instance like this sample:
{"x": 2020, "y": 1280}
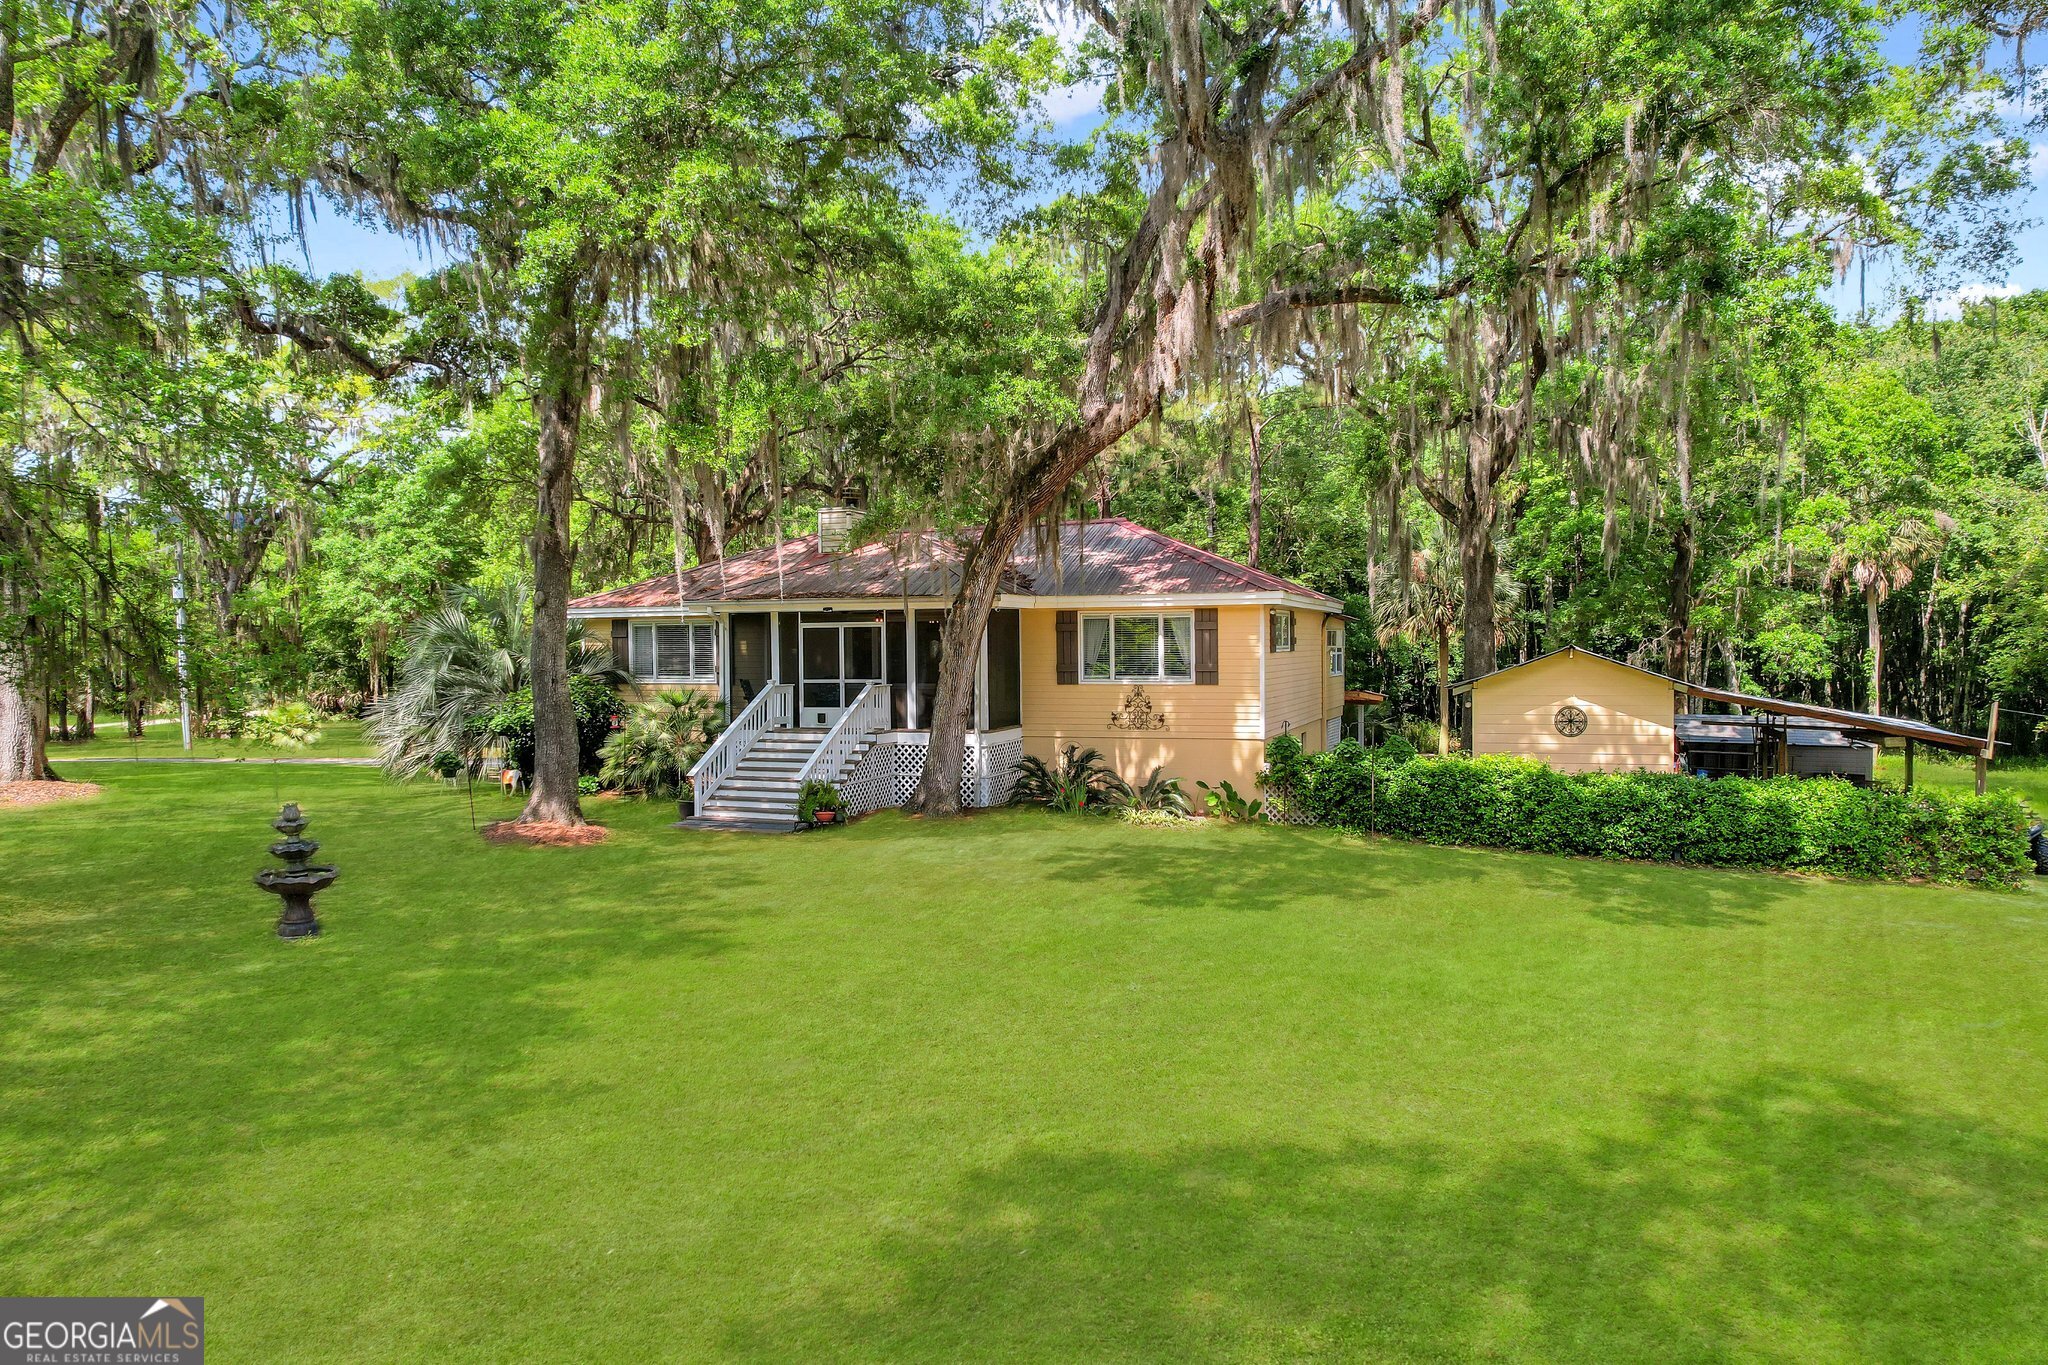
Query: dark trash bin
{"x": 2037, "y": 842}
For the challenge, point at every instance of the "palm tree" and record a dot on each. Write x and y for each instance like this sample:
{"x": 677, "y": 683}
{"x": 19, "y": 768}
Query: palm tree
{"x": 462, "y": 660}
{"x": 1875, "y": 549}
{"x": 1423, "y": 598}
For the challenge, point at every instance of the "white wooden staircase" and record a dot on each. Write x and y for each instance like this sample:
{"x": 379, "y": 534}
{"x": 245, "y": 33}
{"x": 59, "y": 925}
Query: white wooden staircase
{"x": 751, "y": 778}
{"x": 760, "y": 794}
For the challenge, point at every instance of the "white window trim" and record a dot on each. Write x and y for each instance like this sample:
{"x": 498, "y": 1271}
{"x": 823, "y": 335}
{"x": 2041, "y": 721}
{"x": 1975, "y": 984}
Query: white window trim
{"x": 656, "y": 679}
{"x": 1125, "y": 680}
{"x": 1333, "y": 639}
{"x": 1274, "y": 618}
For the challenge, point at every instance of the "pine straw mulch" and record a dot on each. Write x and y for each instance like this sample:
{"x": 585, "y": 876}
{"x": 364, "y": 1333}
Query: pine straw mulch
{"x": 544, "y": 835}
{"x": 43, "y": 793}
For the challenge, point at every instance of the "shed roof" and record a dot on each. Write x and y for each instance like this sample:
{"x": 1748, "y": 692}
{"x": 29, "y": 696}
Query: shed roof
{"x": 1864, "y": 721}
{"x": 1107, "y": 557}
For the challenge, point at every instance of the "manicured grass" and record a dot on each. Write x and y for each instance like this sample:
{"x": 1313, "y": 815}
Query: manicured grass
{"x": 1018, "y": 1087}
{"x": 339, "y": 738}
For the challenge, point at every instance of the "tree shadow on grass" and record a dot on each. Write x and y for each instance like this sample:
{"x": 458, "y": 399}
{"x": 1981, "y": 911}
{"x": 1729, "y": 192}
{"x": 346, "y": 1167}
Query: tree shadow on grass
{"x": 1795, "y": 1216}
{"x": 155, "y": 1030}
{"x": 1265, "y": 868}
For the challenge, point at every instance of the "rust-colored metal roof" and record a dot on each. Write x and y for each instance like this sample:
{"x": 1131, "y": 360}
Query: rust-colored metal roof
{"x": 1110, "y": 557}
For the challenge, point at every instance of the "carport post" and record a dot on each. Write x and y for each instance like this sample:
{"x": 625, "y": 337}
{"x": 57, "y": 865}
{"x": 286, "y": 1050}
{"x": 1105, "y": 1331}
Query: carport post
{"x": 1909, "y": 765}
{"x": 1981, "y": 765}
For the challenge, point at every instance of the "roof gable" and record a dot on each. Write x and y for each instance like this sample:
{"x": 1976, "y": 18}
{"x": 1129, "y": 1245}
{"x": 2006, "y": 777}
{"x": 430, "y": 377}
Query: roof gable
{"x": 1571, "y": 652}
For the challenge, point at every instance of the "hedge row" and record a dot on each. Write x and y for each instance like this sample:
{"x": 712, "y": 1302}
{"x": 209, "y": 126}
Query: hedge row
{"x": 1811, "y": 824}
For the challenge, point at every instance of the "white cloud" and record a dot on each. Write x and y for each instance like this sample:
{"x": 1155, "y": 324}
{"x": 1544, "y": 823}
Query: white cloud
{"x": 1072, "y": 103}
{"x": 1946, "y": 307}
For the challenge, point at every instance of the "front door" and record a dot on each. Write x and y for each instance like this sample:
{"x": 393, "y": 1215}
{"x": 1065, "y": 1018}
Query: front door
{"x": 837, "y": 661}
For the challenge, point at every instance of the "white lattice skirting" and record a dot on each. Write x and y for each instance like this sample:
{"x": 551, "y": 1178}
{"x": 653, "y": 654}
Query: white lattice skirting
{"x": 887, "y": 774}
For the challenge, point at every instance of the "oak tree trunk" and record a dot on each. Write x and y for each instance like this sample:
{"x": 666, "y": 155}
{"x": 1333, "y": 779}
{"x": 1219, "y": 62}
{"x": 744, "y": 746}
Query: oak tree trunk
{"x": 558, "y": 408}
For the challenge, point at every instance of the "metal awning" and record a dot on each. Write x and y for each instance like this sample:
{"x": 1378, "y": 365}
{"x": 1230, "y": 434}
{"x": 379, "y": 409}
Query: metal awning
{"x": 1855, "y": 721}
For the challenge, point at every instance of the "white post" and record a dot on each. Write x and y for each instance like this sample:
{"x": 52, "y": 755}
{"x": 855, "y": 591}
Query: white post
{"x": 184, "y": 677}
{"x": 910, "y": 667}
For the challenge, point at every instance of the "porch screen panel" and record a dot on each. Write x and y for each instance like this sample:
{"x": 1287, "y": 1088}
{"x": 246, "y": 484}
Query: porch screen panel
{"x": 1005, "y": 670}
{"x": 930, "y": 646}
{"x": 750, "y": 666}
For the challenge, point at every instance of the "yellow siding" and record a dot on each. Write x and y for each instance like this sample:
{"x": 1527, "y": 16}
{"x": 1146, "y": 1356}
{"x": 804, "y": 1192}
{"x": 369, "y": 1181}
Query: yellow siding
{"x": 1297, "y": 697}
{"x": 1212, "y": 733}
{"x": 1630, "y": 715}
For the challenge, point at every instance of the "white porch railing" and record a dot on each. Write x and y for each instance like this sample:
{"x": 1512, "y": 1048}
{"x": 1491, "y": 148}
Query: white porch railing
{"x": 772, "y": 709}
{"x": 867, "y": 717}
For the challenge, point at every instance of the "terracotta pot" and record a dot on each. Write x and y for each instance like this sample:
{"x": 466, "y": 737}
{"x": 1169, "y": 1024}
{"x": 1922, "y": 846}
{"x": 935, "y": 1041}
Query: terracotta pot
{"x": 825, "y": 817}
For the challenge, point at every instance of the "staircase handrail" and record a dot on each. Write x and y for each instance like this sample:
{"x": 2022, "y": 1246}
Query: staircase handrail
{"x": 770, "y": 709}
{"x": 868, "y": 715}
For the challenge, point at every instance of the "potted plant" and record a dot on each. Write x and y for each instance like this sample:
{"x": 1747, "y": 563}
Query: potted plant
{"x": 818, "y": 803}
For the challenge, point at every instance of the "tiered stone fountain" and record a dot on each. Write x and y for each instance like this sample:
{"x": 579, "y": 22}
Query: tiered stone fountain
{"x": 298, "y": 880}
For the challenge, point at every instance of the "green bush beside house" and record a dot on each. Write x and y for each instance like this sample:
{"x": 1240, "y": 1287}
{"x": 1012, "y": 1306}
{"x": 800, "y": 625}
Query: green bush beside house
{"x": 1803, "y": 824}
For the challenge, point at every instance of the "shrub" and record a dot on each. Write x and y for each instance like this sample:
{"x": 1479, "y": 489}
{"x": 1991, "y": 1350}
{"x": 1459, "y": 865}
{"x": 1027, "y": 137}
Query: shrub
{"x": 597, "y": 707}
{"x": 1225, "y": 805}
{"x": 1809, "y": 824}
{"x": 1157, "y": 795}
{"x": 1075, "y": 781}
{"x": 660, "y": 742}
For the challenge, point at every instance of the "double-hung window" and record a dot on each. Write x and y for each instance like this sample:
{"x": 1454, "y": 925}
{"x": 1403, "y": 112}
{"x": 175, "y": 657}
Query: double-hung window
{"x": 1334, "y": 638}
{"x": 674, "y": 651}
{"x": 1283, "y": 632}
{"x": 1134, "y": 647}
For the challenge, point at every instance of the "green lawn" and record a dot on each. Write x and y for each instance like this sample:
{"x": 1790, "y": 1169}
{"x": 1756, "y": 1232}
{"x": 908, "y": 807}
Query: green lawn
{"x": 341, "y": 738}
{"x": 1018, "y": 1087}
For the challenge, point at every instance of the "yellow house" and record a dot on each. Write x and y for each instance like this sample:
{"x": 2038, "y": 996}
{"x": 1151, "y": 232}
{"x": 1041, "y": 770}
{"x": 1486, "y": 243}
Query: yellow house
{"x": 1109, "y": 635}
{"x": 1577, "y": 711}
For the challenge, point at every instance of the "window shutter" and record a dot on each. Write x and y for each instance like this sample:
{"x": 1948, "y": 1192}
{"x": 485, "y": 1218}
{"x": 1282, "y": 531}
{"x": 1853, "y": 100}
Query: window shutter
{"x": 1205, "y": 646}
{"x": 621, "y": 653}
{"x": 1066, "y": 648}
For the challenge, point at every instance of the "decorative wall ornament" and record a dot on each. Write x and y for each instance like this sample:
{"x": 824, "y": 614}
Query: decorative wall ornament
{"x": 1137, "y": 713}
{"x": 1571, "y": 720}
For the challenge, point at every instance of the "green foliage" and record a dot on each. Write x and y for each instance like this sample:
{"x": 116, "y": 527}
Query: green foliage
{"x": 290, "y": 725}
{"x": 597, "y": 708}
{"x": 1078, "y": 779}
{"x": 1157, "y": 795}
{"x": 465, "y": 672}
{"x": 1225, "y": 804}
{"x": 1806, "y": 824}
{"x": 815, "y": 797}
{"x": 654, "y": 750}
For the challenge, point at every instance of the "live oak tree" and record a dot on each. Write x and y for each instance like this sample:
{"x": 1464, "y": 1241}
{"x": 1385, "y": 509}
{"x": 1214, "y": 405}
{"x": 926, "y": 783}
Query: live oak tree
{"x": 630, "y": 173}
{"x": 1229, "y": 97}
